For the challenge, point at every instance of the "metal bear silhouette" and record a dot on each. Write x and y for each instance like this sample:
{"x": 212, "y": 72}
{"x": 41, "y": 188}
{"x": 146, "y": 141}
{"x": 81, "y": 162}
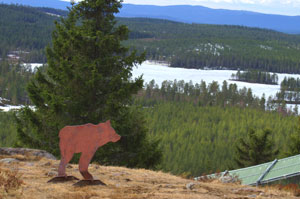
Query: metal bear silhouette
{"x": 84, "y": 139}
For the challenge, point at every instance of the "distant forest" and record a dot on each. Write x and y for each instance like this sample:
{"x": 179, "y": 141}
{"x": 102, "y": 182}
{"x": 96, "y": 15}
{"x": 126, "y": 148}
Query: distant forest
{"x": 13, "y": 81}
{"x": 215, "y": 46}
{"x": 25, "y": 29}
{"x": 290, "y": 84}
{"x": 289, "y": 91}
{"x": 255, "y": 76}
{"x": 182, "y": 45}
{"x": 200, "y": 124}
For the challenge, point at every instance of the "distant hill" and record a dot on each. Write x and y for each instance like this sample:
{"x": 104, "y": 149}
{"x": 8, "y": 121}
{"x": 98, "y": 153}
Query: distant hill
{"x": 214, "y": 46}
{"x": 27, "y": 29}
{"x": 204, "y": 15}
{"x": 191, "y": 14}
{"x": 181, "y": 44}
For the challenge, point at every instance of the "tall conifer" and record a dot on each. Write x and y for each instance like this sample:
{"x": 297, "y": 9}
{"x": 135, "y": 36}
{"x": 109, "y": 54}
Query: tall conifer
{"x": 256, "y": 148}
{"x": 88, "y": 80}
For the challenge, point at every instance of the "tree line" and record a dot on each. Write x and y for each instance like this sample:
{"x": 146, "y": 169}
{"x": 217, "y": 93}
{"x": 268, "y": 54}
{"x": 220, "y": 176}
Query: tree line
{"x": 255, "y": 76}
{"x": 202, "y": 94}
{"x": 289, "y": 92}
{"x": 290, "y": 84}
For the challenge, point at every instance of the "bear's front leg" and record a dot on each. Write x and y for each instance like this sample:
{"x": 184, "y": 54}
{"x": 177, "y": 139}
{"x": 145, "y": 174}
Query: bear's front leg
{"x": 84, "y": 162}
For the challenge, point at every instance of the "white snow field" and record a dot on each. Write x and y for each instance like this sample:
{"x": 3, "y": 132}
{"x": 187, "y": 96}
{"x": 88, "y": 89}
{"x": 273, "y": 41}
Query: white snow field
{"x": 161, "y": 72}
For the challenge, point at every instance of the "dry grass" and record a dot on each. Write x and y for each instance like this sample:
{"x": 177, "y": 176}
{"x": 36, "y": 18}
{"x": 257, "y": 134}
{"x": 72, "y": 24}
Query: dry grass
{"x": 292, "y": 188}
{"x": 124, "y": 183}
{"x": 10, "y": 182}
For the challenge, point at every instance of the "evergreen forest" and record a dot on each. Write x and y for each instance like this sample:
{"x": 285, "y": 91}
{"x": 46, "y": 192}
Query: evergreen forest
{"x": 255, "y": 76}
{"x": 26, "y": 30}
{"x": 202, "y": 94}
{"x": 290, "y": 84}
{"x": 8, "y": 132}
{"x": 289, "y": 92}
{"x": 214, "y": 46}
{"x": 180, "y": 44}
{"x": 199, "y": 137}
{"x": 198, "y": 140}
{"x": 13, "y": 81}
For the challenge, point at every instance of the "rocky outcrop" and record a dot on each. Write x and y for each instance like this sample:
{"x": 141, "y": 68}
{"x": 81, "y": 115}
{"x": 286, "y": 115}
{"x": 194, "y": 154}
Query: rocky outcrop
{"x": 8, "y": 160}
{"x": 24, "y": 151}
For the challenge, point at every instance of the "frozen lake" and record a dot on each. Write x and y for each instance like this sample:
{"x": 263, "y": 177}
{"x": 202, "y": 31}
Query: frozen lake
{"x": 161, "y": 72}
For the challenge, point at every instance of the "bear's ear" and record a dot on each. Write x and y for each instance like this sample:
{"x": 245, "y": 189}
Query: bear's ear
{"x": 108, "y": 122}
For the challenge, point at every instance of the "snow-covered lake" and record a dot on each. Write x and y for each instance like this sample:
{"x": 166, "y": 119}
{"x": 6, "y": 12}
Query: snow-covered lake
{"x": 161, "y": 72}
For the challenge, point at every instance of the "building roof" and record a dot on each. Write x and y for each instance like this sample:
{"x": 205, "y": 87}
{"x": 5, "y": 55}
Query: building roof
{"x": 267, "y": 172}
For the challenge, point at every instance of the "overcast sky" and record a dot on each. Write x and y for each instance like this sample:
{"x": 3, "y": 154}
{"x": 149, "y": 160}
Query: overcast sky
{"x": 284, "y": 7}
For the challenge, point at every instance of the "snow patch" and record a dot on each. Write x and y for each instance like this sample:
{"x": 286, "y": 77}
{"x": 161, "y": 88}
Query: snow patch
{"x": 211, "y": 48}
{"x": 10, "y": 107}
{"x": 265, "y": 47}
{"x": 33, "y": 66}
{"x": 51, "y": 14}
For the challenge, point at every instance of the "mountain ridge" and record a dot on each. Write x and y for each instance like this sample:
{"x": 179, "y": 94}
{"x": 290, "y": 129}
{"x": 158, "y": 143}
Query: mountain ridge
{"x": 204, "y": 15}
{"x": 191, "y": 14}
{"x": 181, "y": 44}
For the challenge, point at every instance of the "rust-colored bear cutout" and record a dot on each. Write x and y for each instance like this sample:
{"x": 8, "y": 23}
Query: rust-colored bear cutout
{"x": 84, "y": 139}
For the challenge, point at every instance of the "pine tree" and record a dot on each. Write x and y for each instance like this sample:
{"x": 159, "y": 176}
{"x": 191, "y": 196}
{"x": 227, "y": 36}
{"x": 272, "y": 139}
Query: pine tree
{"x": 256, "y": 148}
{"x": 88, "y": 80}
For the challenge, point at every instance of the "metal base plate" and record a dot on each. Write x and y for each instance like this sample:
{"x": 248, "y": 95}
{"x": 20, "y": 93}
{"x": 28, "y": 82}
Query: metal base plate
{"x": 61, "y": 179}
{"x": 82, "y": 183}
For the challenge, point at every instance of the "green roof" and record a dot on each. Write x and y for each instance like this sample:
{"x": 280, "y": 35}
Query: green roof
{"x": 267, "y": 172}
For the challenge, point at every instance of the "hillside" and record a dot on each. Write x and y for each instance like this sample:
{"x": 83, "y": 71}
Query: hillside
{"x": 28, "y": 30}
{"x": 25, "y": 32}
{"x": 191, "y": 14}
{"x": 204, "y": 15}
{"x": 215, "y": 46}
{"x": 122, "y": 183}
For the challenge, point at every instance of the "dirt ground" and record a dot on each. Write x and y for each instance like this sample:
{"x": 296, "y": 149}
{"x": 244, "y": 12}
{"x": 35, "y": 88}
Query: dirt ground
{"x": 121, "y": 183}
